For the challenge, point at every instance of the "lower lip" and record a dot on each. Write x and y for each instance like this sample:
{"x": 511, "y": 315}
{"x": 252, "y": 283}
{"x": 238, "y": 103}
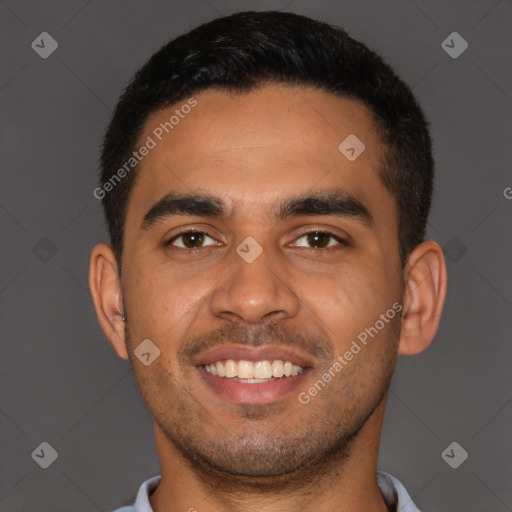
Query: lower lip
{"x": 257, "y": 393}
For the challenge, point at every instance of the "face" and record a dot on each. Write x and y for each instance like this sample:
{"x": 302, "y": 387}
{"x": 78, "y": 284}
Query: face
{"x": 254, "y": 248}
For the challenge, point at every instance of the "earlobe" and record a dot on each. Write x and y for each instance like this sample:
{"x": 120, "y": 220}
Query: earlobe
{"x": 424, "y": 296}
{"x": 106, "y": 294}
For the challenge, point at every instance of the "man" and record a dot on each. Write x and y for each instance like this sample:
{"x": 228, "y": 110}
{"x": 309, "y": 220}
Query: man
{"x": 266, "y": 182}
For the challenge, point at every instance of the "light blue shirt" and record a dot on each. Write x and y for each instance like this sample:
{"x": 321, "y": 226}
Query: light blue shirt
{"x": 392, "y": 491}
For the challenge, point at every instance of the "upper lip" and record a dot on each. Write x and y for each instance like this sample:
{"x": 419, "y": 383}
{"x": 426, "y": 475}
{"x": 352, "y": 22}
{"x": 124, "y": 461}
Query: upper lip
{"x": 248, "y": 353}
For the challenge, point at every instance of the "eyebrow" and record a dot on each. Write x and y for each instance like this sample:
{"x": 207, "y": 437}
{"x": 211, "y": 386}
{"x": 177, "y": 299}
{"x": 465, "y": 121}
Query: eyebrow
{"x": 337, "y": 203}
{"x": 180, "y": 204}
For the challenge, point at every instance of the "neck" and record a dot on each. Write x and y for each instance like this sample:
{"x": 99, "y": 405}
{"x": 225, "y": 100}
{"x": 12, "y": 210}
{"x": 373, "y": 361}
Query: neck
{"x": 340, "y": 482}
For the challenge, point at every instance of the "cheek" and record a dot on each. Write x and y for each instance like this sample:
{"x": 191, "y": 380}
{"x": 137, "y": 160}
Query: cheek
{"x": 347, "y": 302}
{"x": 165, "y": 301}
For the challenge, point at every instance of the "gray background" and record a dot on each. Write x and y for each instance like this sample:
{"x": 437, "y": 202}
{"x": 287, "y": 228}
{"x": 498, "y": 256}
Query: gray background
{"x": 61, "y": 381}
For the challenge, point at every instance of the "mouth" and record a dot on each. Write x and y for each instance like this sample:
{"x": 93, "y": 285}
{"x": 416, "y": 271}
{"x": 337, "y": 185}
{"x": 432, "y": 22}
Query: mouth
{"x": 253, "y": 372}
{"x": 251, "y": 375}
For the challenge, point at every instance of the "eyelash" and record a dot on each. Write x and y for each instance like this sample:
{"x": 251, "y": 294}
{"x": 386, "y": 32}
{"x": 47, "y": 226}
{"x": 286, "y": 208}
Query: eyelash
{"x": 338, "y": 239}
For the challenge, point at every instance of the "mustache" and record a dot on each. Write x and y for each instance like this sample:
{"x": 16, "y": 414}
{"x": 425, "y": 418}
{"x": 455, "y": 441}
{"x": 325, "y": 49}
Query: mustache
{"x": 255, "y": 336}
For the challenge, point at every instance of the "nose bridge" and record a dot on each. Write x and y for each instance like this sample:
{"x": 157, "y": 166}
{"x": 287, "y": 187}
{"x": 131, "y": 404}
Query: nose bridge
{"x": 256, "y": 287}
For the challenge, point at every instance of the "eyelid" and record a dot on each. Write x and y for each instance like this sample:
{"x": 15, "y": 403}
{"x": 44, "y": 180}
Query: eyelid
{"x": 340, "y": 241}
{"x": 342, "y": 238}
{"x": 185, "y": 231}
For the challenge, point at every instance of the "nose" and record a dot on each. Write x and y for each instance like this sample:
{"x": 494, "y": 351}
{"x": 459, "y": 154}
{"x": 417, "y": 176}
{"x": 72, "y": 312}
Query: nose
{"x": 255, "y": 292}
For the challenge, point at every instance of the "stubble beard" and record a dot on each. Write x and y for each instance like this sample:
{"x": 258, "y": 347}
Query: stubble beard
{"x": 259, "y": 458}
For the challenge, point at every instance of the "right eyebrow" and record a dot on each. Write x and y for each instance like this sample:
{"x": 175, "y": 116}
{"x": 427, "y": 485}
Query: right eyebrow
{"x": 183, "y": 204}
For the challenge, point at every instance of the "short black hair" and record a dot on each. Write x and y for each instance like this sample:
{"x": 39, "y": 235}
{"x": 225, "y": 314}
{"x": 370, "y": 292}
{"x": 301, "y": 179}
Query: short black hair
{"x": 247, "y": 49}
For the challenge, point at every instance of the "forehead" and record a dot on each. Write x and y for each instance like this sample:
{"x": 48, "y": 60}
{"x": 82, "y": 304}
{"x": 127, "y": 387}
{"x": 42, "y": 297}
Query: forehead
{"x": 252, "y": 147}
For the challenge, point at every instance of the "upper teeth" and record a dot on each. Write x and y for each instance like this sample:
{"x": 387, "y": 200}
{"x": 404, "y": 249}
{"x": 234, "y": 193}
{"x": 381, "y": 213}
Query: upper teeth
{"x": 253, "y": 370}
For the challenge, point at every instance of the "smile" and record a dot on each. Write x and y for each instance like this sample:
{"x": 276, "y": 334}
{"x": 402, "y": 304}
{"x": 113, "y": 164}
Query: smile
{"x": 253, "y": 375}
{"x": 253, "y": 372}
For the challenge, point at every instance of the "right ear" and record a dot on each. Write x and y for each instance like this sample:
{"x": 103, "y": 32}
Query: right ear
{"x": 106, "y": 292}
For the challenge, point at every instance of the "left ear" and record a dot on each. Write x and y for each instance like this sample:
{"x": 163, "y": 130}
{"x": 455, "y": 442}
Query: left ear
{"x": 425, "y": 291}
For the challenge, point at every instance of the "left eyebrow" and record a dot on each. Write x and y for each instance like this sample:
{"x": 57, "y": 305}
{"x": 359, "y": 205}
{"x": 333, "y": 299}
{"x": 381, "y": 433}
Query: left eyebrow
{"x": 338, "y": 203}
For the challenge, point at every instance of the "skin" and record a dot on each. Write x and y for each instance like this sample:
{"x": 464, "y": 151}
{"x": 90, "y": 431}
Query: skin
{"x": 253, "y": 151}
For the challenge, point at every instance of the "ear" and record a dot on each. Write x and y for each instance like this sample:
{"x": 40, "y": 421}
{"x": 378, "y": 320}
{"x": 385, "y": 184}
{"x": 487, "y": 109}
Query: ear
{"x": 107, "y": 296}
{"x": 424, "y": 295}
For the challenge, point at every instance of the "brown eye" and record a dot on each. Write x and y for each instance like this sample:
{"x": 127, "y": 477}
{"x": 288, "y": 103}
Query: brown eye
{"x": 319, "y": 240}
{"x": 191, "y": 240}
